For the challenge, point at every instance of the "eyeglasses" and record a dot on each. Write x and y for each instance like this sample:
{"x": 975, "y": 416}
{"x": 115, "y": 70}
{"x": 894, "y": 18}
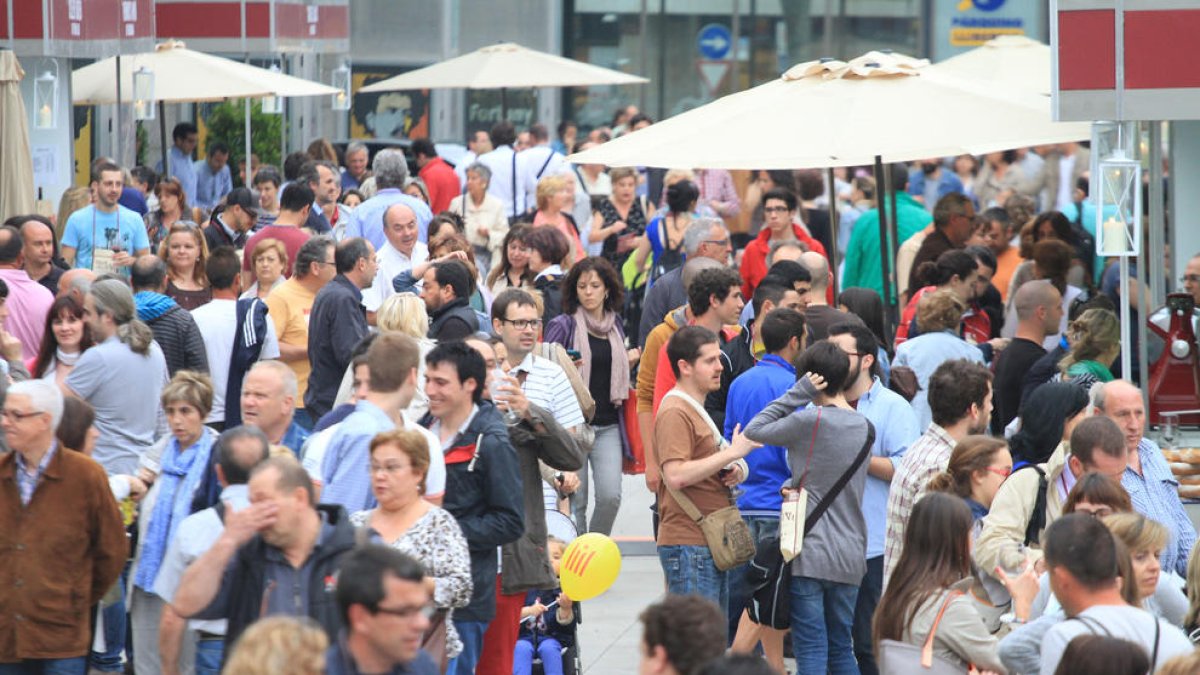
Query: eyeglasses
{"x": 325, "y": 262}
{"x": 1003, "y": 473}
{"x": 523, "y": 324}
{"x": 717, "y": 242}
{"x": 1190, "y": 278}
{"x": 387, "y": 468}
{"x": 15, "y": 416}
{"x": 775, "y": 209}
{"x": 426, "y": 611}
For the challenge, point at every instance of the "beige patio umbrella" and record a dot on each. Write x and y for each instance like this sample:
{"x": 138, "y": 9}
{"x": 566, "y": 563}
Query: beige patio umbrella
{"x": 830, "y": 114}
{"x": 1011, "y": 61}
{"x": 504, "y": 66}
{"x": 182, "y": 75}
{"x": 16, "y": 164}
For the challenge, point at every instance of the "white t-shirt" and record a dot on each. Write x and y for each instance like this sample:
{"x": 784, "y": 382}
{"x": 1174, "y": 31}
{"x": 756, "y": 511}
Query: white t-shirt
{"x": 1119, "y": 621}
{"x": 217, "y": 321}
{"x": 390, "y": 261}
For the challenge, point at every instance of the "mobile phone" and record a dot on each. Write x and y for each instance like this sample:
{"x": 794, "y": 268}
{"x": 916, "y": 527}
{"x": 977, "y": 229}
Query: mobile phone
{"x": 574, "y": 354}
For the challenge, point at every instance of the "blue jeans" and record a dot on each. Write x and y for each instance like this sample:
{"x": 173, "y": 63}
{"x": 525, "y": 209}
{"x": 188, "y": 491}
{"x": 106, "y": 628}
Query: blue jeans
{"x": 761, "y": 528}
{"x": 690, "y": 571}
{"x": 548, "y": 648}
{"x": 76, "y": 665}
{"x": 115, "y": 624}
{"x": 864, "y": 609}
{"x": 208, "y": 656}
{"x": 471, "y": 634}
{"x": 822, "y": 615}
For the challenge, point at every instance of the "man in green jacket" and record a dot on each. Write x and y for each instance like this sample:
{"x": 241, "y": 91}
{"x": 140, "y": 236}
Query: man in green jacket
{"x": 863, "y": 264}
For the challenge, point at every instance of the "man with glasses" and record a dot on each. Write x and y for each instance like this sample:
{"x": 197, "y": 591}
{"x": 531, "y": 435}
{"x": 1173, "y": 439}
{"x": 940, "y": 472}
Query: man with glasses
{"x": 1191, "y": 286}
{"x": 280, "y": 555}
{"x": 704, "y": 238}
{"x": 290, "y": 306}
{"x": 896, "y": 428}
{"x": 63, "y": 543}
{"x": 386, "y": 608}
{"x": 337, "y": 323}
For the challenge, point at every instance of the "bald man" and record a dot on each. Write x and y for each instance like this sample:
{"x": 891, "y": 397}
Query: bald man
{"x": 39, "y": 253}
{"x": 819, "y": 315}
{"x": 1039, "y": 312}
{"x": 402, "y": 252}
{"x": 1152, "y": 487}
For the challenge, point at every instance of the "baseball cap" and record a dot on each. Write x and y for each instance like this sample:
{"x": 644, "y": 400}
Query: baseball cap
{"x": 244, "y": 198}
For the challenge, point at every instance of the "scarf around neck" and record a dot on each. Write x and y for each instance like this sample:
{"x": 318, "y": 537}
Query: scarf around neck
{"x": 606, "y": 327}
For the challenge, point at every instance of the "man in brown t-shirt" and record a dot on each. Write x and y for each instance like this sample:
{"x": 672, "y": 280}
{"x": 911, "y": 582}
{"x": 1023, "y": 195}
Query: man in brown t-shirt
{"x": 694, "y": 462}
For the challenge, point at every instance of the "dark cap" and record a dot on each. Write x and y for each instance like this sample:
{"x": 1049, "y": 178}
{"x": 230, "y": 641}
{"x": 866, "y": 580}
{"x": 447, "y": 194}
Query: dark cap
{"x": 244, "y": 198}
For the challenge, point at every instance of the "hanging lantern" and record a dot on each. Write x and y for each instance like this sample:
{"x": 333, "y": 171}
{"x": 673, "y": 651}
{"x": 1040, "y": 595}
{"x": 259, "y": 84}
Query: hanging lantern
{"x": 272, "y": 105}
{"x": 45, "y": 98}
{"x": 341, "y": 82}
{"x": 1119, "y": 206}
{"x": 143, "y": 94}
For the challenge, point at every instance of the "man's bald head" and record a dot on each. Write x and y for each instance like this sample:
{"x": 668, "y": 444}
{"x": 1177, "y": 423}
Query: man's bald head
{"x": 818, "y": 267}
{"x": 10, "y": 246}
{"x": 77, "y": 282}
{"x": 148, "y": 273}
{"x": 400, "y": 227}
{"x": 695, "y": 266}
{"x": 39, "y": 242}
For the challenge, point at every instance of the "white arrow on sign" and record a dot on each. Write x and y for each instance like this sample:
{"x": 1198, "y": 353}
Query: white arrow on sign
{"x": 712, "y": 73}
{"x": 717, "y": 43}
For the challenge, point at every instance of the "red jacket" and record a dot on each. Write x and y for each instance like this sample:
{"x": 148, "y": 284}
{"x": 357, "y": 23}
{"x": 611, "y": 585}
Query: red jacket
{"x": 754, "y": 259}
{"x": 442, "y": 183}
{"x": 976, "y": 326}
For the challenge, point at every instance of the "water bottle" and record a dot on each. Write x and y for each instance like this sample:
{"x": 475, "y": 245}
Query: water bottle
{"x": 499, "y": 378}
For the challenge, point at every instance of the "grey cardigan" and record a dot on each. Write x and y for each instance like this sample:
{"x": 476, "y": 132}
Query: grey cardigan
{"x": 836, "y": 548}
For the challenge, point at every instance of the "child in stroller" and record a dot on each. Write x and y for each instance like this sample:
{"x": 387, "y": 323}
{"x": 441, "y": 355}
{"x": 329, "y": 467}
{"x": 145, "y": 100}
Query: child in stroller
{"x": 548, "y": 623}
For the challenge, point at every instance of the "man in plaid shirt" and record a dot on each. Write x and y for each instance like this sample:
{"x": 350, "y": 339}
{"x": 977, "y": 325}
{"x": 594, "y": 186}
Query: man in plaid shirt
{"x": 960, "y": 397}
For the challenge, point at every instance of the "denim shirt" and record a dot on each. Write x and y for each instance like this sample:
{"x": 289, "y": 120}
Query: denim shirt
{"x": 1155, "y": 495}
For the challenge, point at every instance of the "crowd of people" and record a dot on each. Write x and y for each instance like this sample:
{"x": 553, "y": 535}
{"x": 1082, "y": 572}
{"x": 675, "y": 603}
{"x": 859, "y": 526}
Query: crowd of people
{"x": 315, "y": 422}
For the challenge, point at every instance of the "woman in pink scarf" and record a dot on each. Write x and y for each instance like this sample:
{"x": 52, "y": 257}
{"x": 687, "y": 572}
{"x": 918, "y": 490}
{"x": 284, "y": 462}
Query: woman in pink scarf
{"x": 590, "y": 324}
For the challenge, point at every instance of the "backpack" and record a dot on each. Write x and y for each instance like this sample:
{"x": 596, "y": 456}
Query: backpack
{"x": 1037, "y": 521}
{"x": 669, "y": 258}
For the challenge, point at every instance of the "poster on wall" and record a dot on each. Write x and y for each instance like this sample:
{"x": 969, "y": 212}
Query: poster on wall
{"x": 484, "y": 108}
{"x": 389, "y": 114}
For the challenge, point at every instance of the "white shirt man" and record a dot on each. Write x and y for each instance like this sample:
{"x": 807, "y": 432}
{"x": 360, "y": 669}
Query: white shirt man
{"x": 399, "y": 254}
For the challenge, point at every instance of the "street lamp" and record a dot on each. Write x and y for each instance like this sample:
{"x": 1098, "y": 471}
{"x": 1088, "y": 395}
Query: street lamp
{"x": 341, "y": 82}
{"x": 45, "y": 98}
{"x": 143, "y": 94}
{"x": 272, "y": 105}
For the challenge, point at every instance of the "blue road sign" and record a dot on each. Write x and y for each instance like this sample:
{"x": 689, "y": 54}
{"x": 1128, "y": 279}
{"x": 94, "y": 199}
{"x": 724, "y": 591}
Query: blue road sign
{"x": 714, "y": 42}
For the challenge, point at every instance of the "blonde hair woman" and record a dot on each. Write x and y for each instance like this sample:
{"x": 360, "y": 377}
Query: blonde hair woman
{"x": 186, "y": 253}
{"x": 555, "y": 199}
{"x": 1095, "y": 339}
{"x": 400, "y": 313}
{"x": 1145, "y": 540}
{"x": 71, "y": 201}
{"x": 279, "y": 644}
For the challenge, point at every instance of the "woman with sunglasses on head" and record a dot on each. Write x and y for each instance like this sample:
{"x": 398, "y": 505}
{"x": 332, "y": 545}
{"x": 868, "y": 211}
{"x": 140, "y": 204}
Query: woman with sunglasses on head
{"x": 172, "y": 209}
{"x": 978, "y": 465}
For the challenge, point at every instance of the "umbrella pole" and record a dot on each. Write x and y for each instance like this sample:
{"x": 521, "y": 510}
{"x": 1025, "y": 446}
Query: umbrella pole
{"x": 118, "y": 111}
{"x": 249, "y": 180}
{"x": 884, "y": 249}
{"x": 833, "y": 230}
{"x": 162, "y": 136}
{"x": 503, "y": 104}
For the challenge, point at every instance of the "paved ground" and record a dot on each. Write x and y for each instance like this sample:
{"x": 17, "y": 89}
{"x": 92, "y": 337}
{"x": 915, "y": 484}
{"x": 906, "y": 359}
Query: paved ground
{"x": 610, "y": 634}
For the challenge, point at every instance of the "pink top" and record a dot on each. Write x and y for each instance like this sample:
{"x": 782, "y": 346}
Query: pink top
{"x": 563, "y": 224}
{"x": 28, "y": 303}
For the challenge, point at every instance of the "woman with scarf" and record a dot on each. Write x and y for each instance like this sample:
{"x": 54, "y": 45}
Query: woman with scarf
{"x": 178, "y": 462}
{"x": 66, "y": 337}
{"x": 590, "y": 324}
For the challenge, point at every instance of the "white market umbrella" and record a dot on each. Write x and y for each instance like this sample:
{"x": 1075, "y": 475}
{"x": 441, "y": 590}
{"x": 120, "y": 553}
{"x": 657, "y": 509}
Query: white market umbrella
{"x": 831, "y": 114}
{"x": 182, "y": 75}
{"x": 16, "y": 164}
{"x": 504, "y": 66}
{"x": 1010, "y": 61}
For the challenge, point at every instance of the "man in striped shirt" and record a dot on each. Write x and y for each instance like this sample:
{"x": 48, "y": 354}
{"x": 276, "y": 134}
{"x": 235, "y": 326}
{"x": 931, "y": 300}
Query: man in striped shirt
{"x": 960, "y": 398}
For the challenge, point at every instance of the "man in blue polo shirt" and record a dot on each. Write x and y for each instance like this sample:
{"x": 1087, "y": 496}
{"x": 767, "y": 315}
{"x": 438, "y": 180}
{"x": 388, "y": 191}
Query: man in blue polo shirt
{"x": 783, "y": 336}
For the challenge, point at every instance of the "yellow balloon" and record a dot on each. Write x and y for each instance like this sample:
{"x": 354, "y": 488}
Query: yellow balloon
{"x": 589, "y": 566}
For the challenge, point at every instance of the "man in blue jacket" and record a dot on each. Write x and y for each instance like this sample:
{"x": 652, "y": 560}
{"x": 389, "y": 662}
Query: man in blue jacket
{"x": 483, "y": 482}
{"x": 783, "y": 336}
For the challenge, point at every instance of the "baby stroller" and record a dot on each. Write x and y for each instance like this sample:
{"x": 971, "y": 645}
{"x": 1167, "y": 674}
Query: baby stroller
{"x": 563, "y": 527}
